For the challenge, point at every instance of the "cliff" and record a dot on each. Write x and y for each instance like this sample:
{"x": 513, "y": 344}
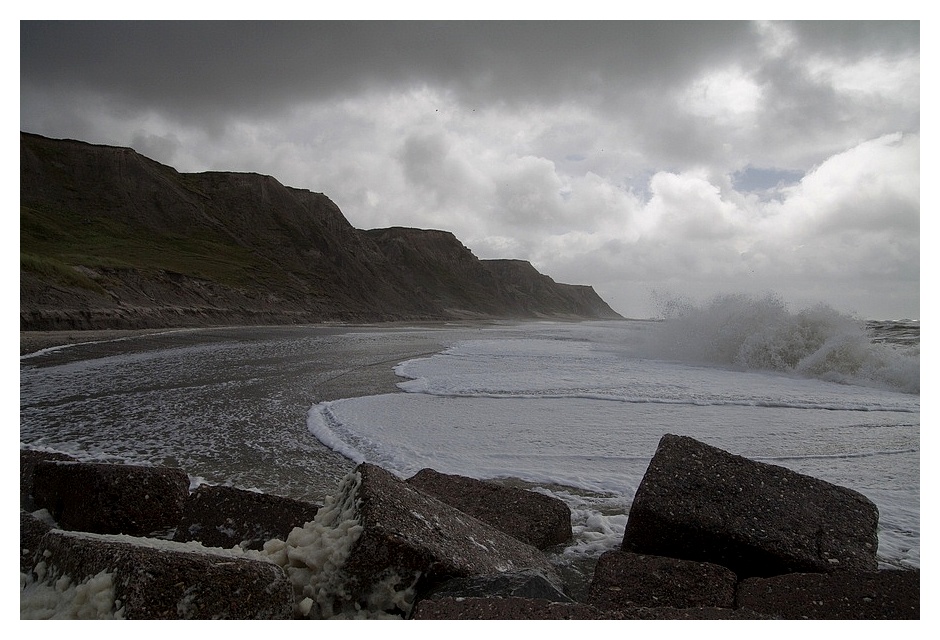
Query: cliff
{"x": 112, "y": 239}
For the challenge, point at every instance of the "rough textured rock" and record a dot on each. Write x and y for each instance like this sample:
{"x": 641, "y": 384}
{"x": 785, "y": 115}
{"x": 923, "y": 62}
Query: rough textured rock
{"x": 402, "y": 534}
{"x": 436, "y": 266}
{"x": 686, "y": 613}
{"x": 408, "y": 533}
{"x": 111, "y": 498}
{"x": 218, "y": 516}
{"x": 32, "y": 529}
{"x": 698, "y": 502}
{"x": 534, "y": 518}
{"x": 516, "y": 584}
{"x": 533, "y": 293}
{"x": 28, "y": 461}
{"x": 160, "y": 580}
{"x": 453, "y": 608}
{"x": 624, "y": 580}
{"x": 533, "y": 609}
{"x": 879, "y": 595}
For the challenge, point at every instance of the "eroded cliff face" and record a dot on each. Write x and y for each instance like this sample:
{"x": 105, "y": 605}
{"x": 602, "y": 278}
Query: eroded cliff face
{"x": 111, "y": 239}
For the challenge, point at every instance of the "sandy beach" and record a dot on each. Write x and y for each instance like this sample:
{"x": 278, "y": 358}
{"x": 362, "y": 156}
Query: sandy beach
{"x": 368, "y": 378}
{"x": 32, "y": 341}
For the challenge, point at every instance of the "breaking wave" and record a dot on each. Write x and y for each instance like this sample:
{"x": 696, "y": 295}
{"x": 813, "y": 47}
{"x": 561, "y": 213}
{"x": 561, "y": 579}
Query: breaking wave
{"x": 748, "y": 332}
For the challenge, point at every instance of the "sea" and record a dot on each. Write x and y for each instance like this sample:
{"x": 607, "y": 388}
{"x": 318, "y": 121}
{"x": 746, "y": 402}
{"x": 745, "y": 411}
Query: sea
{"x": 574, "y": 410}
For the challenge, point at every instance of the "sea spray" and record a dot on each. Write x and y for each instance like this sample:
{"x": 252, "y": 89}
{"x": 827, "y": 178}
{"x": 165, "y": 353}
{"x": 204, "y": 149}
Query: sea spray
{"x": 760, "y": 333}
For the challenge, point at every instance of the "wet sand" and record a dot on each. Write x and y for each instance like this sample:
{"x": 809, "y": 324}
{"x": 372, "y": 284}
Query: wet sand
{"x": 32, "y": 341}
{"x": 360, "y": 379}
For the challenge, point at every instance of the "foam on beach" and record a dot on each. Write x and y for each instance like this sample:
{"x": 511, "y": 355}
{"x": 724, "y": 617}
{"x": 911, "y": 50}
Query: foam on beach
{"x": 65, "y": 599}
{"x": 313, "y": 555}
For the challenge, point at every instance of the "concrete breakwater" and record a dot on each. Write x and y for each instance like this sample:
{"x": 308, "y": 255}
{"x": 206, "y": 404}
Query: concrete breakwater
{"x": 710, "y": 535}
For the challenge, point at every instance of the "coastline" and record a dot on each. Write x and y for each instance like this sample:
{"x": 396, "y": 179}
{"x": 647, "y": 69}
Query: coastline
{"x": 338, "y": 361}
{"x": 33, "y": 341}
{"x": 372, "y": 377}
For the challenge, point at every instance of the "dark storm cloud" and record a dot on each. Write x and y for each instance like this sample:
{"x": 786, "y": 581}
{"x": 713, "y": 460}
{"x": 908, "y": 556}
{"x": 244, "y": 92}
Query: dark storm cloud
{"x": 188, "y": 65}
{"x": 207, "y": 72}
{"x": 251, "y": 65}
{"x": 857, "y": 38}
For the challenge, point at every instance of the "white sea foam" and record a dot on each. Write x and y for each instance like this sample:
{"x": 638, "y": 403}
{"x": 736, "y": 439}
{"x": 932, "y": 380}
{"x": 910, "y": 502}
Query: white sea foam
{"x": 64, "y": 599}
{"x": 313, "y": 555}
{"x": 46, "y": 593}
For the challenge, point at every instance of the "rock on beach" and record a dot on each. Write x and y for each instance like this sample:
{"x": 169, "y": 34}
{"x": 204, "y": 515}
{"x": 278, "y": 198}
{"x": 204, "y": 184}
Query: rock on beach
{"x": 379, "y": 540}
{"x": 531, "y": 517}
{"x": 108, "y": 576}
{"x": 624, "y": 580}
{"x": 722, "y": 537}
{"x": 220, "y": 516}
{"x": 875, "y": 595}
{"x": 698, "y": 502}
{"x": 111, "y": 498}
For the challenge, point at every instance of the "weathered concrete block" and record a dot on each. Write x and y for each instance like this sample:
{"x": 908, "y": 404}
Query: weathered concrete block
{"x": 409, "y": 530}
{"x": 28, "y": 461}
{"x": 32, "y": 529}
{"x": 225, "y": 516}
{"x": 534, "y": 518}
{"x": 879, "y": 595}
{"x": 512, "y": 608}
{"x": 111, "y": 498}
{"x": 511, "y": 584}
{"x": 698, "y": 502}
{"x": 685, "y": 613}
{"x": 624, "y": 580}
{"x": 534, "y": 609}
{"x": 371, "y": 545}
{"x": 84, "y": 575}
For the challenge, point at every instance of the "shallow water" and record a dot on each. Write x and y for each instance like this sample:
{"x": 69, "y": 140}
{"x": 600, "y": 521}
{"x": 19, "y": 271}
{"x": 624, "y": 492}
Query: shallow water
{"x": 573, "y": 409}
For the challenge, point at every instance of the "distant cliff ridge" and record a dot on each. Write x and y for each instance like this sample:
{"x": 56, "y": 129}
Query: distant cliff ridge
{"x": 110, "y": 239}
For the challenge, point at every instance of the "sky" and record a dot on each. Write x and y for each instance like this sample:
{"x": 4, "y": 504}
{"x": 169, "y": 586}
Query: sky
{"x": 654, "y": 160}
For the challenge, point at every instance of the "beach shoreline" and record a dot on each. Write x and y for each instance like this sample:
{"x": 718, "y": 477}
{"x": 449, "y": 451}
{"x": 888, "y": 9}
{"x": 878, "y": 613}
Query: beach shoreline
{"x": 376, "y": 376}
{"x": 33, "y": 341}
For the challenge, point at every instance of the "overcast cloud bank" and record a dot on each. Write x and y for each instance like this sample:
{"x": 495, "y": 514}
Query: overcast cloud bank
{"x": 650, "y": 160}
